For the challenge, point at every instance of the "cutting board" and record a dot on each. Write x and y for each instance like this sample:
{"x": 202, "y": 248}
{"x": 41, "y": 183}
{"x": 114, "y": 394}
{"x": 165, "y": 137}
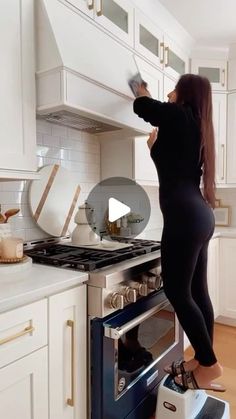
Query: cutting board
{"x": 53, "y": 200}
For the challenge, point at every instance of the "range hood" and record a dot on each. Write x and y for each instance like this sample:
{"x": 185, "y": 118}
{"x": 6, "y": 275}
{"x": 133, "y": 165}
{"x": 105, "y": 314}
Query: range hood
{"x": 82, "y": 73}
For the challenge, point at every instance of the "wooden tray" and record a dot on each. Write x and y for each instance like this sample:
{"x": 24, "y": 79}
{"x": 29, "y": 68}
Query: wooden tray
{"x": 16, "y": 260}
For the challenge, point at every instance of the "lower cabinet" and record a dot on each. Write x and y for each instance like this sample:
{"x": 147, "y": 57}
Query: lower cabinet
{"x": 213, "y": 273}
{"x": 227, "y": 274}
{"x": 67, "y": 354}
{"x": 43, "y": 374}
{"x": 24, "y": 387}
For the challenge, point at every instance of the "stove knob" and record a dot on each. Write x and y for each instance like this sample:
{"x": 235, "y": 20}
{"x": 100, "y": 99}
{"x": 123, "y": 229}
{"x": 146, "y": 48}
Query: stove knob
{"x": 154, "y": 283}
{"x": 143, "y": 289}
{"x": 130, "y": 295}
{"x": 117, "y": 301}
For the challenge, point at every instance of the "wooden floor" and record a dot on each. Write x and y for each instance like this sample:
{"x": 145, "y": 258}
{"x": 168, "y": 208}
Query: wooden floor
{"x": 225, "y": 348}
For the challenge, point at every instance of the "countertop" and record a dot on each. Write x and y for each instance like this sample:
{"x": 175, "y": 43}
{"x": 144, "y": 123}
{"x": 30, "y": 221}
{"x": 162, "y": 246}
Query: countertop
{"x": 40, "y": 281}
{"x": 155, "y": 234}
{"x": 36, "y": 282}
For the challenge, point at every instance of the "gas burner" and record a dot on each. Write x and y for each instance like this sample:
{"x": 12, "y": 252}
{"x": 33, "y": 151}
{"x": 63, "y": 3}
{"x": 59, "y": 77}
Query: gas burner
{"x": 85, "y": 259}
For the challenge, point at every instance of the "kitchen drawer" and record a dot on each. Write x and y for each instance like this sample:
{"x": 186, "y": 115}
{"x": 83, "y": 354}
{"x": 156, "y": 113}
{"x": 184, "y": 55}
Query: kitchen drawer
{"x": 22, "y": 331}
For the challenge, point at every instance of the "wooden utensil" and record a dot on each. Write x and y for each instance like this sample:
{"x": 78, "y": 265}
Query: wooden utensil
{"x": 2, "y": 219}
{"x": 9, "y": 213}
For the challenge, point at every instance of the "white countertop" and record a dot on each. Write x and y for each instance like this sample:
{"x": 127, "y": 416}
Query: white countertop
{"x": 156, "y": 233}
{"x": 40, "y": 281}
{"x": 36, "y": 282}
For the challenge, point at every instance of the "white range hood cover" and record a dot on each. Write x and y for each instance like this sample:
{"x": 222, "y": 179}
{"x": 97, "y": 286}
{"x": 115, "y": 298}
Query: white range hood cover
{"x": 82, "y": 71}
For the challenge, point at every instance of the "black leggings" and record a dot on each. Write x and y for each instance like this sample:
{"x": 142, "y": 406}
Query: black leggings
{"x": 188, "y": 227}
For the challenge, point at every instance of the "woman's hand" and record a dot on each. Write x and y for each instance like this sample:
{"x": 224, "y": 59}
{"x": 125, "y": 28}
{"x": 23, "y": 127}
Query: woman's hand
{"x": 142, "y": 90}
{"x": 152, "y": 138}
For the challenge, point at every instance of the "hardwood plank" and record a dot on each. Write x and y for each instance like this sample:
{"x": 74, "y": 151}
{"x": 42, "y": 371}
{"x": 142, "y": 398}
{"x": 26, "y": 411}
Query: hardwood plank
{"x": 225, "y": 348}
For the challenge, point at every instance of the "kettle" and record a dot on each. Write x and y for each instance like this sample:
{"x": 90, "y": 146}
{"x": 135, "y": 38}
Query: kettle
{"x": 84, "y": 233}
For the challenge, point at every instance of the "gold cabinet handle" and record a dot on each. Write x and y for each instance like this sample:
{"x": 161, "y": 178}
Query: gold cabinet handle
{"x": 90, "y": 4}
{"x": 162, "y": 52}
{"x": 223, "y": 159}
{"x": 167, "y": 56}
{"x": 99, "y": 9}
{"x": 223, "y": 77}
{"x": 71, "y": 401}
{"x": 27, "y": 330}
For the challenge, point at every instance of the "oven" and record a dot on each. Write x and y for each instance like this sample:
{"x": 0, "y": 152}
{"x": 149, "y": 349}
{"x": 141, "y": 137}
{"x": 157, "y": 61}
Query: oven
{"x": 129, "y": 349}
{"x": 133, "y": 331}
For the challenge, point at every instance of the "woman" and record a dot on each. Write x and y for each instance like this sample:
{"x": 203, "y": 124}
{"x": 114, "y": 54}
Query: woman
{"x": 182, "y": 152}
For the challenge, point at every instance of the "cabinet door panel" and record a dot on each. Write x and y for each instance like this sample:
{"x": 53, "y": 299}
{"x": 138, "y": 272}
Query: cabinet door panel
{"x": 213, "y": 273}
{"x": 67, "y": 369}
{"x": 231, "y": 143}
{"x": 24, "y": 389}
{"x": 215, "y": 71}
{"x": 219, "y": 121}
{"x": 152, "y": 77}
{"x": 85, "y": 6}
{"x": 176, "y": 62}
{"x": 148, "y": 39}
{"x": 227, "y": 278}
{"x": 17, "y": 85}
{"x": 117, "y": 16}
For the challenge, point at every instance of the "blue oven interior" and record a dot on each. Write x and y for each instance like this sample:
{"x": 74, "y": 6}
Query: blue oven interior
{"x": 128, "y": 352}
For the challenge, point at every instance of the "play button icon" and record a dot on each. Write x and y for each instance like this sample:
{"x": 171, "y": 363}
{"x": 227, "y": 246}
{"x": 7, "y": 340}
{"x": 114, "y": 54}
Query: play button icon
{"x": 118, "y": 206}
{"x": 116, "y": 209}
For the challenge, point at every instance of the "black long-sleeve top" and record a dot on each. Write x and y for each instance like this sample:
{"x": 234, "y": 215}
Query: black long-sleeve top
{"x": 177, "y": 148}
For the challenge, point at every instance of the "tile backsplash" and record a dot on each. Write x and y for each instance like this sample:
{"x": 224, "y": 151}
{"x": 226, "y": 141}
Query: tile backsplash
{"x": 80, "y": 153}
{"x": 76, "y": 151}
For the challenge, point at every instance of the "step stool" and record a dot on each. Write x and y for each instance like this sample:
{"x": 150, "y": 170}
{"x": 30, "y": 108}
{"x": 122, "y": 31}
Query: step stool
{"x": 174, "y": 402}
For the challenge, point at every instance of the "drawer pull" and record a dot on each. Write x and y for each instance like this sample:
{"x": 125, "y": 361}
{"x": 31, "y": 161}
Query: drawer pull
{"x": 90, "y": 4}
{"x": 71, "y": 401}
{"x": 27, "y": 330}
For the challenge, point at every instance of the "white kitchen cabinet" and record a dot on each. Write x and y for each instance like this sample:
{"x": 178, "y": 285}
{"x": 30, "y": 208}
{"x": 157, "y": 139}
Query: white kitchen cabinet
{"x": 116, "y": 16}
{"x": 227, "y": 279}
{"x": 152, "y": 76}
{"x": 214, "y": 70}
{"x": 149, "y": 39}
{"x": 17, "y": 86}
{"x": 231, "y": 142}
{"x": 85, "y": 6}
{"x": 128, "y": 158}
{"x": 169, "y": 86}
{"x": 68, "y": 354}
{"x": 176, "y": 61}
{"x": 213, "y": 273}
{"x": 24, "y": 389}
{"x": 219, "y": 101}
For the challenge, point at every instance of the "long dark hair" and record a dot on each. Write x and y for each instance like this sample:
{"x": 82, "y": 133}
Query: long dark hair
{"x": 196, "y": 91}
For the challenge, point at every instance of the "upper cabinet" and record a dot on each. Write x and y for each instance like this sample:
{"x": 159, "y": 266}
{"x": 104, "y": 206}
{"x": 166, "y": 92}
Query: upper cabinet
{"x": 114, "y": 15}
{"x": 231, "y": 143}
{"x": 219, "y": 101}
{"x": 176, "y": 62}
{"x": 214, "y": 70}
{"x": 149, "y": 39}
{"x": 157, "y": 47}
{"x": 17, "y": 86}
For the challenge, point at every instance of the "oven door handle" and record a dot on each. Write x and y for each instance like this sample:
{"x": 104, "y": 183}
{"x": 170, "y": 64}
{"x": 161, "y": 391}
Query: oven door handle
{"x": 116, "y": 333}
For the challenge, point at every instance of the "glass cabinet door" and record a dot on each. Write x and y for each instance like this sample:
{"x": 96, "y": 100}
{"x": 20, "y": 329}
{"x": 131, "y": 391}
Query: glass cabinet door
{"x": 85, "y": 6}
{"x": 148, "y": 39}
{"x": 116, "y": 16}
{"x": 176, "y": 62}
{"x": 214, "y": 70}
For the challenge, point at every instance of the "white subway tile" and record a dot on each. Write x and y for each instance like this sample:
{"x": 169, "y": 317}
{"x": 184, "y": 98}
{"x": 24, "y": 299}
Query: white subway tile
{"x": 58, "y": 130}
{"x": 50, "y": 141}
{"x": 43, "y": 127}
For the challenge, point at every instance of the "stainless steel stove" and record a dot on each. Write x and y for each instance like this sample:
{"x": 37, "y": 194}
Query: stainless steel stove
{"x": 132, "y": 328}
